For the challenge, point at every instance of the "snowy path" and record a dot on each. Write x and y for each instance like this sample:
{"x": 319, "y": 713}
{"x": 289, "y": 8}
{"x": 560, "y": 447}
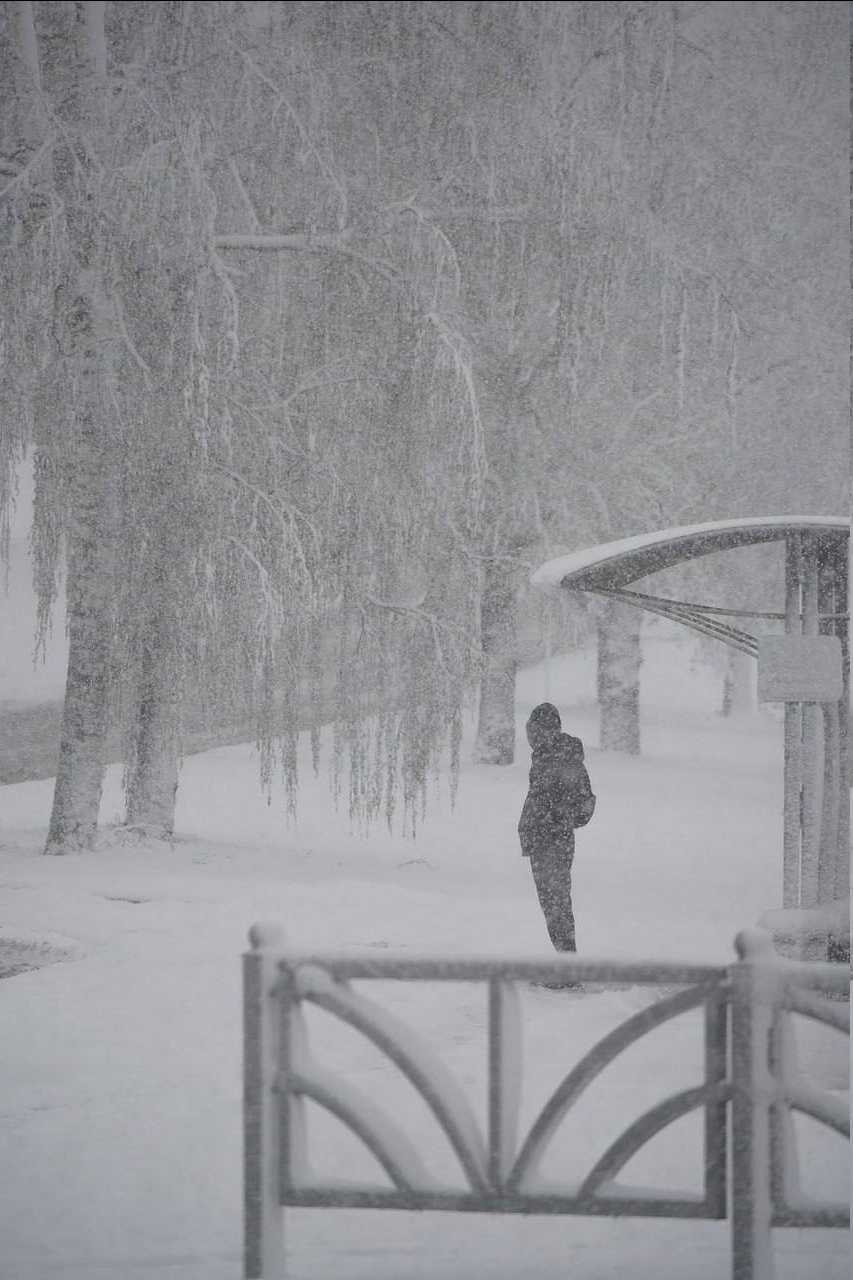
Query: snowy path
{"x": 120, "y": 1113}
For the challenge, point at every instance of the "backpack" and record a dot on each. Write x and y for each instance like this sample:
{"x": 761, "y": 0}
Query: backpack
{"x": 583, "y": 810}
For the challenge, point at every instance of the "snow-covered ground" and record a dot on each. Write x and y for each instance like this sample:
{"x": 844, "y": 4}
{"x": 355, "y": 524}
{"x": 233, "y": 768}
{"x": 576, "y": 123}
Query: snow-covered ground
{"x": 121, "y": 1061}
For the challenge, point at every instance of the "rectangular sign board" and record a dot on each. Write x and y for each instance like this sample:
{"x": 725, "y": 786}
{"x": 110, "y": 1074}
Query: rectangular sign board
{"x": 795, "y": 668}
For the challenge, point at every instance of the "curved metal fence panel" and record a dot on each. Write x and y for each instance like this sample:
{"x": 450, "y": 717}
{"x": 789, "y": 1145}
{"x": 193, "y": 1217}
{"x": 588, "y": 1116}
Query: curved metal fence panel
{"x": 749, "y": 1087}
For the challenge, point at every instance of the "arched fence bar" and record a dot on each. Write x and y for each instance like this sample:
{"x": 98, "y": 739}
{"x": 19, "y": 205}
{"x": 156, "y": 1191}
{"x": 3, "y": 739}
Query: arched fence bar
{"x": 749, "y": 1089}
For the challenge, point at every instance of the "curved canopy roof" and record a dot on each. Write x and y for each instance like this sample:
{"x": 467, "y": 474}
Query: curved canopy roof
{"x": 610, "y": 568}
{"x": 615, "y": 564}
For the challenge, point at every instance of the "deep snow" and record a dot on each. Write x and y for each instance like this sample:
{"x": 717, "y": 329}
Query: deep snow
{"x": 121, "y": 1062}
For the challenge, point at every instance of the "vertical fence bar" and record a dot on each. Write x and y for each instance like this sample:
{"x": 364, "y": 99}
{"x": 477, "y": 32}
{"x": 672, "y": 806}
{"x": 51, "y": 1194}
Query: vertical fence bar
{"x": 504, "y": 1078}
{"x": 286, "y": 996}
{"x": 263, "y": 1231}
{"x": 793, "y": 738}
{"x": 784, "y": 1166}
{"x": 495, "y": 1084}
{"x": 752, "y": 1018}
{"x": 716, "y": 1110}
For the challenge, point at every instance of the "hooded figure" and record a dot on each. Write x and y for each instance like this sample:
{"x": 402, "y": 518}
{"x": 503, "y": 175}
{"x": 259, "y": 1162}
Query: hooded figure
{"x": 559, "y": 799}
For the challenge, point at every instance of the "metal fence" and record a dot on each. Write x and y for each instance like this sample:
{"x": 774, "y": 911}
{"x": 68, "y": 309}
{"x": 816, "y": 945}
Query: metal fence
{"x": 749, "y": 1089}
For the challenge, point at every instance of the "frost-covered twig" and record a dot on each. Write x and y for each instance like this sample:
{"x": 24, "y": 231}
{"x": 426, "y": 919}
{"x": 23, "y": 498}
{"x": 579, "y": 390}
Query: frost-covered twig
{"x": 281, "y": 513}
{"x": 244, "y": 195}
{"x": 118, "y": 311}
{"x": 19, "y": 175}
{"x": 435, "y": 623}
{"x": 283, "y": 98}
{"x": 303, "y": 241}
{"x": 310, "y": 242}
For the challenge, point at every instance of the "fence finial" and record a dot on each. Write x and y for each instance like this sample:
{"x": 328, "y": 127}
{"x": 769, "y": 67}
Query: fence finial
{"x": 754, "y": 944}
{"x": 265, "y": 936}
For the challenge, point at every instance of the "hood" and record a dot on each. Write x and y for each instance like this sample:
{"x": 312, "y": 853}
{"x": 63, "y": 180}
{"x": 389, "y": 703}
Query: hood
{"x": 543, "y": 725}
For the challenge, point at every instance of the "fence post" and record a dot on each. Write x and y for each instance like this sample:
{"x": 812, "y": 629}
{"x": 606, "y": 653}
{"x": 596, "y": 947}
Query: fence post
{"x": 754, "y": 989}
{"x": 504, "y": 1079}
{"x": 263, "y": 1215}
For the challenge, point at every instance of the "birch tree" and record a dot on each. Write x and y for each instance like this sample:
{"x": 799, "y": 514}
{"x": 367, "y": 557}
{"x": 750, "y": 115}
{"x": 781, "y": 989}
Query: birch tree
{"x": 68, "y": 236}
{"x": 393, "y": 415}
{"x": 234, "y": 470}
{"x": 558, "y": 258}
{"x": 94, "y": 406}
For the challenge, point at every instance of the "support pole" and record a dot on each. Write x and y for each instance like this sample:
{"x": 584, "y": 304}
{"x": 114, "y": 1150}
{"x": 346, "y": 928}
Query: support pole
{"x": 263, "y": 1227}
{"x": 828, "y": 856}
{"x": 793, "y": 738}
{"x": 504, "y": 1079}
{"x": 752, "y": 1093}
{"x": 829, "y": 606}
{"x": 496, "y": 1081}
{"x": 812, "y": 774}
{"x": 842, "y": 630}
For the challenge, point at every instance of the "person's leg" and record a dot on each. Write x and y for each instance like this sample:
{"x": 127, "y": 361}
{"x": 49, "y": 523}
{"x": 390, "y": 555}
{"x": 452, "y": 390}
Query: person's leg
{"x": 552, "y": 875}
{"x": 566, "y": 912}
{"x": 542, "y": 866}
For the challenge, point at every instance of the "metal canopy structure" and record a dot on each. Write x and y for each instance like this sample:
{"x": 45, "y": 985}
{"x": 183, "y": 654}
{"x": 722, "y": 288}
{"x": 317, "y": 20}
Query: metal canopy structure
{"x": 817, "y": 768}
{"x": 609, "y": 569}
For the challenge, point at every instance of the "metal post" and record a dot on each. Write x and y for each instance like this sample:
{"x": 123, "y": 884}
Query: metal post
{"x": 842, "y": 630}
{"x": 495, "y": 1083}
{"x": 793, "y": 738}
{"x": 504, "y": 1077}
{"x": 752, "y": 1096}
{"x": 784, "y": 1164}
{"x": 263, "y": 1229}
{"x": 828, "y": 858}
{"x": 829, "y": 821}
{"x": 716, "y": 1044}
{"x": 812, "y": 744}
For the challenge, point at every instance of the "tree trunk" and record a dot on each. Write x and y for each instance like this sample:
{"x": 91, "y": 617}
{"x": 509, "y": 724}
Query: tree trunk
{"x": 737, "y": 684}
{"x": 31, "y": 125}
{"x": 619, "y": 659}
{"x": 92, "y": 530}
{"x": 90, "y": 618}
{"x": 152, "y": 781}
{"x": 495, "y": 743}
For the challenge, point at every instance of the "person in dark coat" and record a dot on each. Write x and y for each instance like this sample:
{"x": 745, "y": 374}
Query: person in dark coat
{"x": 559, "y": 799}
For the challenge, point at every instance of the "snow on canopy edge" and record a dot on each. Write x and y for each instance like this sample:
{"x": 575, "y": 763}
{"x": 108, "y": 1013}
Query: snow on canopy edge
{"x": 552, "y": 573}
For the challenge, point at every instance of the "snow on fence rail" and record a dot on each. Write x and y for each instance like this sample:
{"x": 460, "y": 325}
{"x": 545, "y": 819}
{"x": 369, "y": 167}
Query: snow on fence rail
{"x": 749, "y": 1070}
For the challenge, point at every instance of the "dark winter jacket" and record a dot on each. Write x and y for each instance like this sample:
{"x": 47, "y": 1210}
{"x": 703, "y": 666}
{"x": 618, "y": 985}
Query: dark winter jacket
{"x": 559, "y": 797}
